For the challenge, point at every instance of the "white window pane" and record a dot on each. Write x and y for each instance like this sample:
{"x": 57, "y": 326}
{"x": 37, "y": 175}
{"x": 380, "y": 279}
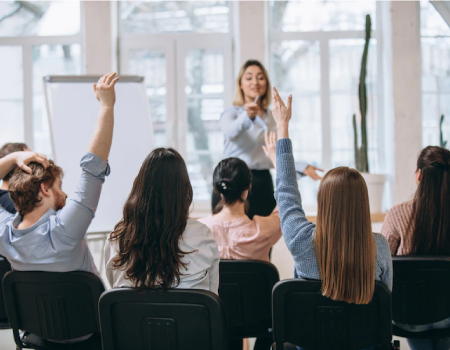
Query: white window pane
{"x": 295, "y": 68}
{"x": 152, "y": 65}
{"x": 204, "y": 141}
{"x": 42, "y": 18}
{"x": 11, "y": 95}
{"x": 174, "y": 16}
{"x": 50, "y": 60}
{"x": 292, "y": 16}
{"x": 431, "y": 22}
{"x": 345, "y": 66}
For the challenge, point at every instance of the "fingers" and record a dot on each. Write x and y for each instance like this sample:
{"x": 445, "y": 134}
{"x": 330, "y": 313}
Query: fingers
{"x": 109, "y": 77}
{"x": 266, "y": 151}
{"x": 273, "y": 137}
{"x": 277, "y": 97}
{"x": 25, "y": 168}
{"x": 318, "y": 169}
{"x": 266, "y": 138}
{"x": 289, "y": 102}
{"x": 114, "y": 81}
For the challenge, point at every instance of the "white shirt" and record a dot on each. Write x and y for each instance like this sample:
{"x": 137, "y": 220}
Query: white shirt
{"x": 202, "y": 266}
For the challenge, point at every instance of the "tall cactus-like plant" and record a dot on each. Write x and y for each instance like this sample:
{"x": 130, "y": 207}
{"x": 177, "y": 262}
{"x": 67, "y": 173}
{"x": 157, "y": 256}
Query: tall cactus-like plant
{"x": 443, "y": 143}
{"x": 361, "y": 152}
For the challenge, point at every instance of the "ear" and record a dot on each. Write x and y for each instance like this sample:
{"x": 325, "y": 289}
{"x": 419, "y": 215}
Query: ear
{"x": 419, "y": 175}
{"x": 45, "y": 190}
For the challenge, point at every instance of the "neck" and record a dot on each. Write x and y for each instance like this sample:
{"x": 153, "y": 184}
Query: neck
{"x": 5, "y": 185}
{"x": 237, "y": 208}
{"x": 31, "y": 218}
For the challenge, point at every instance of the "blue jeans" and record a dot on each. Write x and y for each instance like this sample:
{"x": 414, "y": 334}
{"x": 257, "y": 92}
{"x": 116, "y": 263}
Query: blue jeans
{"x": 427, "y": 344}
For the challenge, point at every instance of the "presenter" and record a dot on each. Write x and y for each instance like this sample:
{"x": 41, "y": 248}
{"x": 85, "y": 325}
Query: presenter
{"x": 244, "y": 126}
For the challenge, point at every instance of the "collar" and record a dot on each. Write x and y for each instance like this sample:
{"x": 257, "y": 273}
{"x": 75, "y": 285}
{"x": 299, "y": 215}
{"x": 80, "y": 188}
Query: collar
{"x": 19, "y": 218}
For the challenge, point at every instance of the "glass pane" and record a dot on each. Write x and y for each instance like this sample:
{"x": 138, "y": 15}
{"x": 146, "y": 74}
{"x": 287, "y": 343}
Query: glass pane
{"x": 151, "y": 64}
{"x": 49, "y": 60}
{"x": 11, "y": 95}
{"x": 435, "y": 89}
{"x": 29, "y": 18}
{"x": 174, "y": 16}
{"x": 204, "y": 141}
{"x": 345, "y": 66}
{"x": 293, "y": 16}
{"x": 431, "y": 22}
{"x": 296, "y": 69}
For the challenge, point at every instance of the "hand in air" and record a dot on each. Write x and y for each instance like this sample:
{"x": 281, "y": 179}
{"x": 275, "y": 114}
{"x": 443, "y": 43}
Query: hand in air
{"x": 252, "y": 109}
{"x": 281, "y": 113}
{"x": 270, "y": 147}
{"x": 104, "y": 89}
{"x": 25, "y": 158}
{"x": 311, "y": 171}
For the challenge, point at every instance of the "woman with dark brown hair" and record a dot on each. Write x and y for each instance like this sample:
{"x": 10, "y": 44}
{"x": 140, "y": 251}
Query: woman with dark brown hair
{"x": 422, "y": 226}
{"x": 156, "y": 244}
{"x": 340, "y": 249}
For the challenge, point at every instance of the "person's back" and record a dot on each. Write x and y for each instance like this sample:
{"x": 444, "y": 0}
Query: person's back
{"x": 5, "y": 199}
{"x": 47, "y": 234}
{"x": 422, "y": 226}
{"x": 237, "y": 236}
{"x": 156, "y": 244}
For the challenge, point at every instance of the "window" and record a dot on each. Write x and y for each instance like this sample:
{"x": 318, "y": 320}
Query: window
{"x": 183, "y": 50}
{"x": 315, "y": 54}
{"x": 37, "y": 38}
{"x": 435, "y": 45}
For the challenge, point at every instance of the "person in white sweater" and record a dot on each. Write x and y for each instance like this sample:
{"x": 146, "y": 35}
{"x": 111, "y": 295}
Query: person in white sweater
{"x": 156, "y": 244}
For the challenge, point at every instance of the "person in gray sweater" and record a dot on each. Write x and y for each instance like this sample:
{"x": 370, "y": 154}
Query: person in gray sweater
{"x": 341, "y": 247}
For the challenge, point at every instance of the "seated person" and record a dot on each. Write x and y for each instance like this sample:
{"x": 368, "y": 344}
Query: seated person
{"x": 5, "y": 199}
{"x": 422, "y": 226}
{"x": 48, "y": 234}
{"x": 343, "y": 225}
{"x": 156, "y": 244}
{"x": 237, "y": 236}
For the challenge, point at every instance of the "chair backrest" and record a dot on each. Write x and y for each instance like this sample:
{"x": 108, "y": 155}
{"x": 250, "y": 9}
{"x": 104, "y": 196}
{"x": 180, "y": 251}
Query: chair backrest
{"x": 302, "y": 316}
{"x": 53, "y": 305}
{"x": 246, "y": 291}
{"x": 4, "y": 268}
{"x": 177, "y": 319}
{"x": 421, "y": 290}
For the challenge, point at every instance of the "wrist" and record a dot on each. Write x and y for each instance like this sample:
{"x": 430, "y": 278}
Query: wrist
{"x": 283, "y": 132}
{"x": 106, "y": 106}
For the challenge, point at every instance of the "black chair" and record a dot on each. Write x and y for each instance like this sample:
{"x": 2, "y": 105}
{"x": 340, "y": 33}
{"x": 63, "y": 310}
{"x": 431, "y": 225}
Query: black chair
{"x": 302, "y": 316}
{"x": 246, "y": 291}
{"x": 4, "y": 268}
{"x": 177, "y": 319}
{"x": 53, "y": 305}
{"x": 421, "y": 294}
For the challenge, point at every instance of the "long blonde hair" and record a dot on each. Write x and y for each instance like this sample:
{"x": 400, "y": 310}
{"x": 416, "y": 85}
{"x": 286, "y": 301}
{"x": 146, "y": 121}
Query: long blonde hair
{"x": 239, "y": 99}
{"x": 344, "y": 243}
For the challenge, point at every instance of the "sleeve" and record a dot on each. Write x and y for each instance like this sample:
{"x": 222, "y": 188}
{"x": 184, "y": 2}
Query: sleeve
{"x": 385, "y": 260}
{"x": 214, "y": 269}
{"x": 271, "y": 225}
{"x": 298, "y": 232}
{"x": 77, "y": 215}
{"x": 233, "y": 124}
{"x": 300, "y": 168}
{"x": 389, "y": 231}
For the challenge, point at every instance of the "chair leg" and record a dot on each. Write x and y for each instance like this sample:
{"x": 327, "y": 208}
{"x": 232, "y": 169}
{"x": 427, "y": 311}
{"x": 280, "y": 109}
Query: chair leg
{"x": 396, "y": 345}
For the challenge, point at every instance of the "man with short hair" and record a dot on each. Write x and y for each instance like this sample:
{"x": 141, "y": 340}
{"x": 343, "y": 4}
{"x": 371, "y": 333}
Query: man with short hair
{"x": 5, "y": 199}
{"x": 48, "y": 234}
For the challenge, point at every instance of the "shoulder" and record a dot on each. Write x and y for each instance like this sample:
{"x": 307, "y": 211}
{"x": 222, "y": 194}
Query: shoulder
{"x": 195, "y": 228}
{"x": 399, "y": 212}
{"x": 208, "y": 220}
{"x": 382, "y": 246}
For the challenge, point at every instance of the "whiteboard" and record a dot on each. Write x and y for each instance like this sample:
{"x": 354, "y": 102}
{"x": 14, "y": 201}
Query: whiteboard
{"x": 72, "y": 115}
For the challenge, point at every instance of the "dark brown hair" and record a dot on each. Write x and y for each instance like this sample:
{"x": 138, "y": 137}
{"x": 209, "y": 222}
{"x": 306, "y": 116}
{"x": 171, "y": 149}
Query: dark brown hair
{"x": 231, "y": 177}
{"x": 24, "y": 188}
{"x": 430, "y": 220}
{"x": 154, "y": 219}
{"x": 345, "y": 247}
{"x": 11, "y": 148}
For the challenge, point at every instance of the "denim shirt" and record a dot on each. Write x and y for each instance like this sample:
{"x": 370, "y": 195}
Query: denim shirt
{"x": 56, "y": 242}
{"x": 244, "y": 138}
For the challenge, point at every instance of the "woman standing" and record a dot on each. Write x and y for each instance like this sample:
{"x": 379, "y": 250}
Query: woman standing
{"x": 244, "y": 126}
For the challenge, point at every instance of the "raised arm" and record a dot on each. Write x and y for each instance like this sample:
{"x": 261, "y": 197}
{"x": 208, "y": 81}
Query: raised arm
{"x": 102, "y": 139}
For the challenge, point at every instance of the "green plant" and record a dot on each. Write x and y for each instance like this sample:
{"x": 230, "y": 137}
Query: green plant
{"x": 361, "y": 153}
{"x": 443, "y": 143}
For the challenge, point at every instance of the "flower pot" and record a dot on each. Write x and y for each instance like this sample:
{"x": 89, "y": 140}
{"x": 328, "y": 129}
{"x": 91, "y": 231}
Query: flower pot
{"x": 375, "y": 186}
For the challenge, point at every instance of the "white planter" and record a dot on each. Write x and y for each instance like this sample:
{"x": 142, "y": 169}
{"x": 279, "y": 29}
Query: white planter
{"x": 375, "y": 185}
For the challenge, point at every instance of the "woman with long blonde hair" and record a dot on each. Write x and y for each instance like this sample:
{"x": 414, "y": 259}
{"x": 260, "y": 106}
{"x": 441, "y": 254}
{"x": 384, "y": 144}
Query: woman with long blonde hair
{"x": 244, "y": 125}
{"x": 340, "y": 249}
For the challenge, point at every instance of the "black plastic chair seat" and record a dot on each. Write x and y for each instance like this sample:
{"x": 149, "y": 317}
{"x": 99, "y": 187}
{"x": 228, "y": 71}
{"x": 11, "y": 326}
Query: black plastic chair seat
{"x": 38, "y": 343}
{"x": 434, "y": 333}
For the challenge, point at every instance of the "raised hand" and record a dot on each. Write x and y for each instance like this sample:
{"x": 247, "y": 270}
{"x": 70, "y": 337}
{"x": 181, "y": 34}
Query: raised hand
{"x": 24, "y": 158}
{"x": 270, "y": 147}
{"x": 281, "y": 113}
{"x": 104, "y": 89}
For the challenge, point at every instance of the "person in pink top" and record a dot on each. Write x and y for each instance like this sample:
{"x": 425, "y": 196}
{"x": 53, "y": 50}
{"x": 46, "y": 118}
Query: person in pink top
{"x": 237, "y": 236}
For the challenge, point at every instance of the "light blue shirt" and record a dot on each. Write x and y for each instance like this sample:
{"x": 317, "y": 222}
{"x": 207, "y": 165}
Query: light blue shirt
{"x": 244, "y": 138}
{"x": 56, "y": 242}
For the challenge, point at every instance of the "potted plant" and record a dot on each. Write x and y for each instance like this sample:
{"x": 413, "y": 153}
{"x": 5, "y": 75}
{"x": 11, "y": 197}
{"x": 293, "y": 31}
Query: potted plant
{"x": 441, "y": 131}
{"x": 375, "y": 182}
